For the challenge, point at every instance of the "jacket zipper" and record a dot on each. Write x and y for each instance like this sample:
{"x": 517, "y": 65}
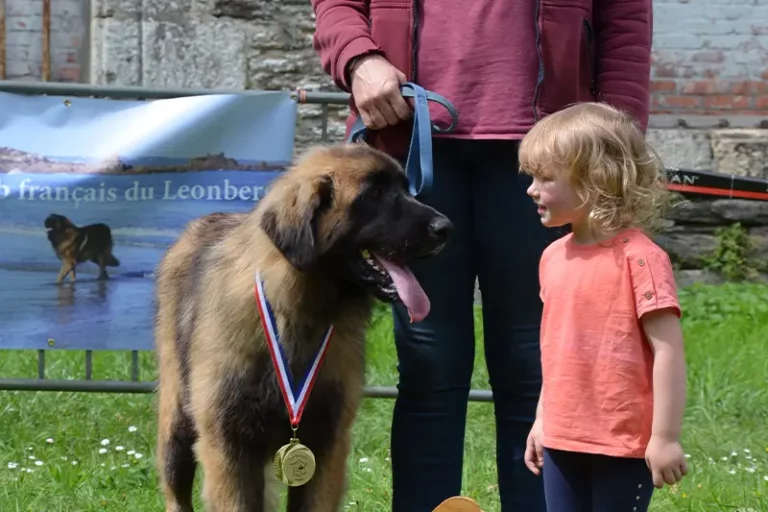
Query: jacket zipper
{"x": 591, "y": 58}
{"x": 414, "y": 35}
{"x": 540, "y": 77}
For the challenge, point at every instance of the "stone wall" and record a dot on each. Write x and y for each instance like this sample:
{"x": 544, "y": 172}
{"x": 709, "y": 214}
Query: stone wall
{"x": 690, "y": 234}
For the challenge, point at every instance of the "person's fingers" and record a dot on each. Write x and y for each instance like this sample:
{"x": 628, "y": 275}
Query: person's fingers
{"x": 539, "y": 453}
{"x": 391, "y": 100}
{"x": 402, "y": 108}
{"x": 658, "y": 478}
{"x": 684, "y": 468}
{"x": 386, "y": 111}
{"x": 669, "y": 476}
{"x": 377, "y": 120}
{"x": 365, "y": 117}
{"x": 530, "y": 457}
{"x": 677, "y": 473}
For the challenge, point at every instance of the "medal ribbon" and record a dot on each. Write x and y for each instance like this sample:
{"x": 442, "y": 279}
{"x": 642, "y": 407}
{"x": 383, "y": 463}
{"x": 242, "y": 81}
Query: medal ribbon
{"x": 294, "y": 401}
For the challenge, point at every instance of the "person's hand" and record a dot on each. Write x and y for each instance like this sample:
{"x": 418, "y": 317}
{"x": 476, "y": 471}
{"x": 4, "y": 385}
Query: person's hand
{"x": 666, "y": 460}
{"x": 376, "y": 92}
{"x": 534, "y": 451}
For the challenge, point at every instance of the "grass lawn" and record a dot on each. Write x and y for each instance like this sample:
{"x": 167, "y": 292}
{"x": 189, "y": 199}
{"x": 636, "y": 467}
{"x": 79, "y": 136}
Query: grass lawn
{"x": 74, "y": 452}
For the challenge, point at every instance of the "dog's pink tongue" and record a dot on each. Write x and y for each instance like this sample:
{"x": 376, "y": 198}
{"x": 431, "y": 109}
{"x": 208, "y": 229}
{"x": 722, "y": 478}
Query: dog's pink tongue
{"x": 408, "y": 288}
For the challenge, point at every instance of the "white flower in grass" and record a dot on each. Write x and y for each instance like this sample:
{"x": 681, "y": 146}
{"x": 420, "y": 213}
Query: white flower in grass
{"x": 102, "y": 451}
{"x": 765, "y": 478}
{"x": 38, "y": 463}
{"x": 105, "y": 442}
{"x": 130, "y": 452}
{"x": 32, "y": 457}
{"x": 363, "y": 460}
{"x": 732, "y": 471}
{"x": 138, "y": 455}
{"x": 132, "y": 429}
{"x": 49, "y": 440}
{"x": 30, "y": 470}
{"x": 13, "y": 465}
{"x": 74, "y": 463}
{"x": 119, "y": 448}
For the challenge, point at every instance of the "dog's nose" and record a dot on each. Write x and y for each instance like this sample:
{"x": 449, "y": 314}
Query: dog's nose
{"x": 440, "y": 227}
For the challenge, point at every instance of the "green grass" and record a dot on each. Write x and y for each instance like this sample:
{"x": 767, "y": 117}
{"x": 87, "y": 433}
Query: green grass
{"x": 86, "y": 452}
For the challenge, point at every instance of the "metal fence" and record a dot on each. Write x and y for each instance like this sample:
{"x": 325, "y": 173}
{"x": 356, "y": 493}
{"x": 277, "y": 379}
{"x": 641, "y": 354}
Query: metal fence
{"x": 134, "y": 385}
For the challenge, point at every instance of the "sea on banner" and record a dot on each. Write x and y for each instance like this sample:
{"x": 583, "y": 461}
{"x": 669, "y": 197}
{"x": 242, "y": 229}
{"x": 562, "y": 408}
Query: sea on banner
{"x": 117, "y": 181}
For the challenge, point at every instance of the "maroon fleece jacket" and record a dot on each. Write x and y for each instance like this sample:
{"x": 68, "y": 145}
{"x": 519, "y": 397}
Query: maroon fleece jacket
{"x": 504, "y": 64}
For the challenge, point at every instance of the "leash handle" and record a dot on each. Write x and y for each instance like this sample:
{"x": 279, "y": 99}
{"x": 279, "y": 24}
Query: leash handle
{"x": 418, "y": 168}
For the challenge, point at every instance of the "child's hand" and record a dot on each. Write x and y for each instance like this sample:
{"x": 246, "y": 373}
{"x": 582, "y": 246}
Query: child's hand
{"x": 534, "y": 452}
{"x": 666, "y": 460}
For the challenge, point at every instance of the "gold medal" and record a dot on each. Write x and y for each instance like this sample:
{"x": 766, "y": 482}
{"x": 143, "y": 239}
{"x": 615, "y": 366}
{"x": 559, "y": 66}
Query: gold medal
{"x": 294, "y": 463}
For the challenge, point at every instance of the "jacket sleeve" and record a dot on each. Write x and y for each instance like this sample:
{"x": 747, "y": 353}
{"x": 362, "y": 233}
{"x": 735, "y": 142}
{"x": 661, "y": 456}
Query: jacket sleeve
{"x": 341, "y": 34}
{"x": 623, "y": 34}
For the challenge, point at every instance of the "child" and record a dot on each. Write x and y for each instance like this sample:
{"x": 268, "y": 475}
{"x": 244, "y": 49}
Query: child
{"x": 608, "y": 423}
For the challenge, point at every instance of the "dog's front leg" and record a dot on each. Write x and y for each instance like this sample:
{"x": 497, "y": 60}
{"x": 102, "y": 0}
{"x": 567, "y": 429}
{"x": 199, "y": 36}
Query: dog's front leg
{"x": 325, "y": 491}
{"x": 65, "y": 269}
{"x": 231, "y": 483}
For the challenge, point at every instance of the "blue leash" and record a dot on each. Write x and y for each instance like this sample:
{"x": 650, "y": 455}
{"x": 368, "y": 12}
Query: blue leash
{"x": 419, "y": 172}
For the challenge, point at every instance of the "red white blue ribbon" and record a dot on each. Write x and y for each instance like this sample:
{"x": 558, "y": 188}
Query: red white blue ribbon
{"x": 295, "y": 398}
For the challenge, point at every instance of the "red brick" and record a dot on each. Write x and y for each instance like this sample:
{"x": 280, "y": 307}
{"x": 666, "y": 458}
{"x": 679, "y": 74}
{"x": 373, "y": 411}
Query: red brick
{"x": 739, "y": 87}
{"x": 709, "y": 56}
{"x": 700, "y": 87}
{"x": 663, "y": 70}
{"x": 680, "y": 101}
{"x": 664, "y": 86}
{"x": 67, "y": 74}
{"x": 727, "y": 102}
{"x": 761, "y": 102}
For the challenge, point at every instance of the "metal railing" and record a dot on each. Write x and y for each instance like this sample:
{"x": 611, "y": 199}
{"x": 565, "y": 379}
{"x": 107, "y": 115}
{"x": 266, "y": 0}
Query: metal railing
{"x": 134, "y": 385}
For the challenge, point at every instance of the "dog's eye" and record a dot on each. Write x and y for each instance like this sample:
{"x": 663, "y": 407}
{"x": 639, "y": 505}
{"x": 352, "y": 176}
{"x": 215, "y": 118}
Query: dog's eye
{"x": 375, "y": 193}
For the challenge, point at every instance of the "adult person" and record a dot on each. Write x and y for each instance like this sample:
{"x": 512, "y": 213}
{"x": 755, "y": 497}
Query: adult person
{"x": 504, "y": 65}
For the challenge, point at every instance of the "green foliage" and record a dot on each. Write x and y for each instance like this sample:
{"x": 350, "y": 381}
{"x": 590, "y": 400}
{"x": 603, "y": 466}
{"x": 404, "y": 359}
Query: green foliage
{"x": 732, "y": 258}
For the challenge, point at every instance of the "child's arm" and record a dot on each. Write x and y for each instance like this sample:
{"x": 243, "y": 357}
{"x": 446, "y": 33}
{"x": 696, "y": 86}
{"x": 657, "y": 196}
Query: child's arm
{"x": 662, "y": 327}
{"x": 664, "y": 455}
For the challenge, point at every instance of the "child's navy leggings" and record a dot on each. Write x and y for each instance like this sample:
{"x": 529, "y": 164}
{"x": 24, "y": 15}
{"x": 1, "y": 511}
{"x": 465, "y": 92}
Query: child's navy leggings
{"x": 583, "y": 482}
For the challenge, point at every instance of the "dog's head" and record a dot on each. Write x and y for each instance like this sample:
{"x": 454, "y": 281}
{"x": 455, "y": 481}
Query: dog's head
{"x": 347, "y": 210}
{"x": 55, "y": 222}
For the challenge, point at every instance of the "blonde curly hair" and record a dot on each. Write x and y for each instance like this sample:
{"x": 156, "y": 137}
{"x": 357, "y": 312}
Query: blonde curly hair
{"x": 616, "y": 174}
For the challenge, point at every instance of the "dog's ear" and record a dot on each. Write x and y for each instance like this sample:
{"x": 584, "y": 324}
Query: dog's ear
{"x": 290, "y": 218}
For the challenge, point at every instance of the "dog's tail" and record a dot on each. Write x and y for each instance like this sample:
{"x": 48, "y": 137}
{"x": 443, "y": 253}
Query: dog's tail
{"x": 112, "y": 261}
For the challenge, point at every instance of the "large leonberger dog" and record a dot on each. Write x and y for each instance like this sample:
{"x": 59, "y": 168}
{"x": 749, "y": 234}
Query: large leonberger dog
{"x": 333, "y": 233}
{"x": 74, "y": 244}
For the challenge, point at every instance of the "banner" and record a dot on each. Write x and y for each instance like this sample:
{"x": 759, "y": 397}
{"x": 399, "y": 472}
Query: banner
{"x": 110, "y": 184}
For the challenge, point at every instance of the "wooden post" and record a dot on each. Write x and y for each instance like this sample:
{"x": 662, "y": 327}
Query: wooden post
{"x": 46, "y": 40}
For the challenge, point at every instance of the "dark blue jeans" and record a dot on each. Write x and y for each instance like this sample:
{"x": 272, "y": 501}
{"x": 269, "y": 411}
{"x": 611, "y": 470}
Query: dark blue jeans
{"x": 583, "y": 482}
{"x": 498, "y": 238}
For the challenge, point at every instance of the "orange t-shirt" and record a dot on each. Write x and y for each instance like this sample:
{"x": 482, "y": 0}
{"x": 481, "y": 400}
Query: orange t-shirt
{"x": 597, "y": 363}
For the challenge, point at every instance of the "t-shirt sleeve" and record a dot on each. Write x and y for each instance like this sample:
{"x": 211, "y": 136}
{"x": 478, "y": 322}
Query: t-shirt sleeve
{"x": 653, "y": 281}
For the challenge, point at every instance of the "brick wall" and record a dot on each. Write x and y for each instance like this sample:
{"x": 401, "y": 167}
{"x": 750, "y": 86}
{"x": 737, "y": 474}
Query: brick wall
{"x": 69, "y": 40}
{"x": 710, "y": 56}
